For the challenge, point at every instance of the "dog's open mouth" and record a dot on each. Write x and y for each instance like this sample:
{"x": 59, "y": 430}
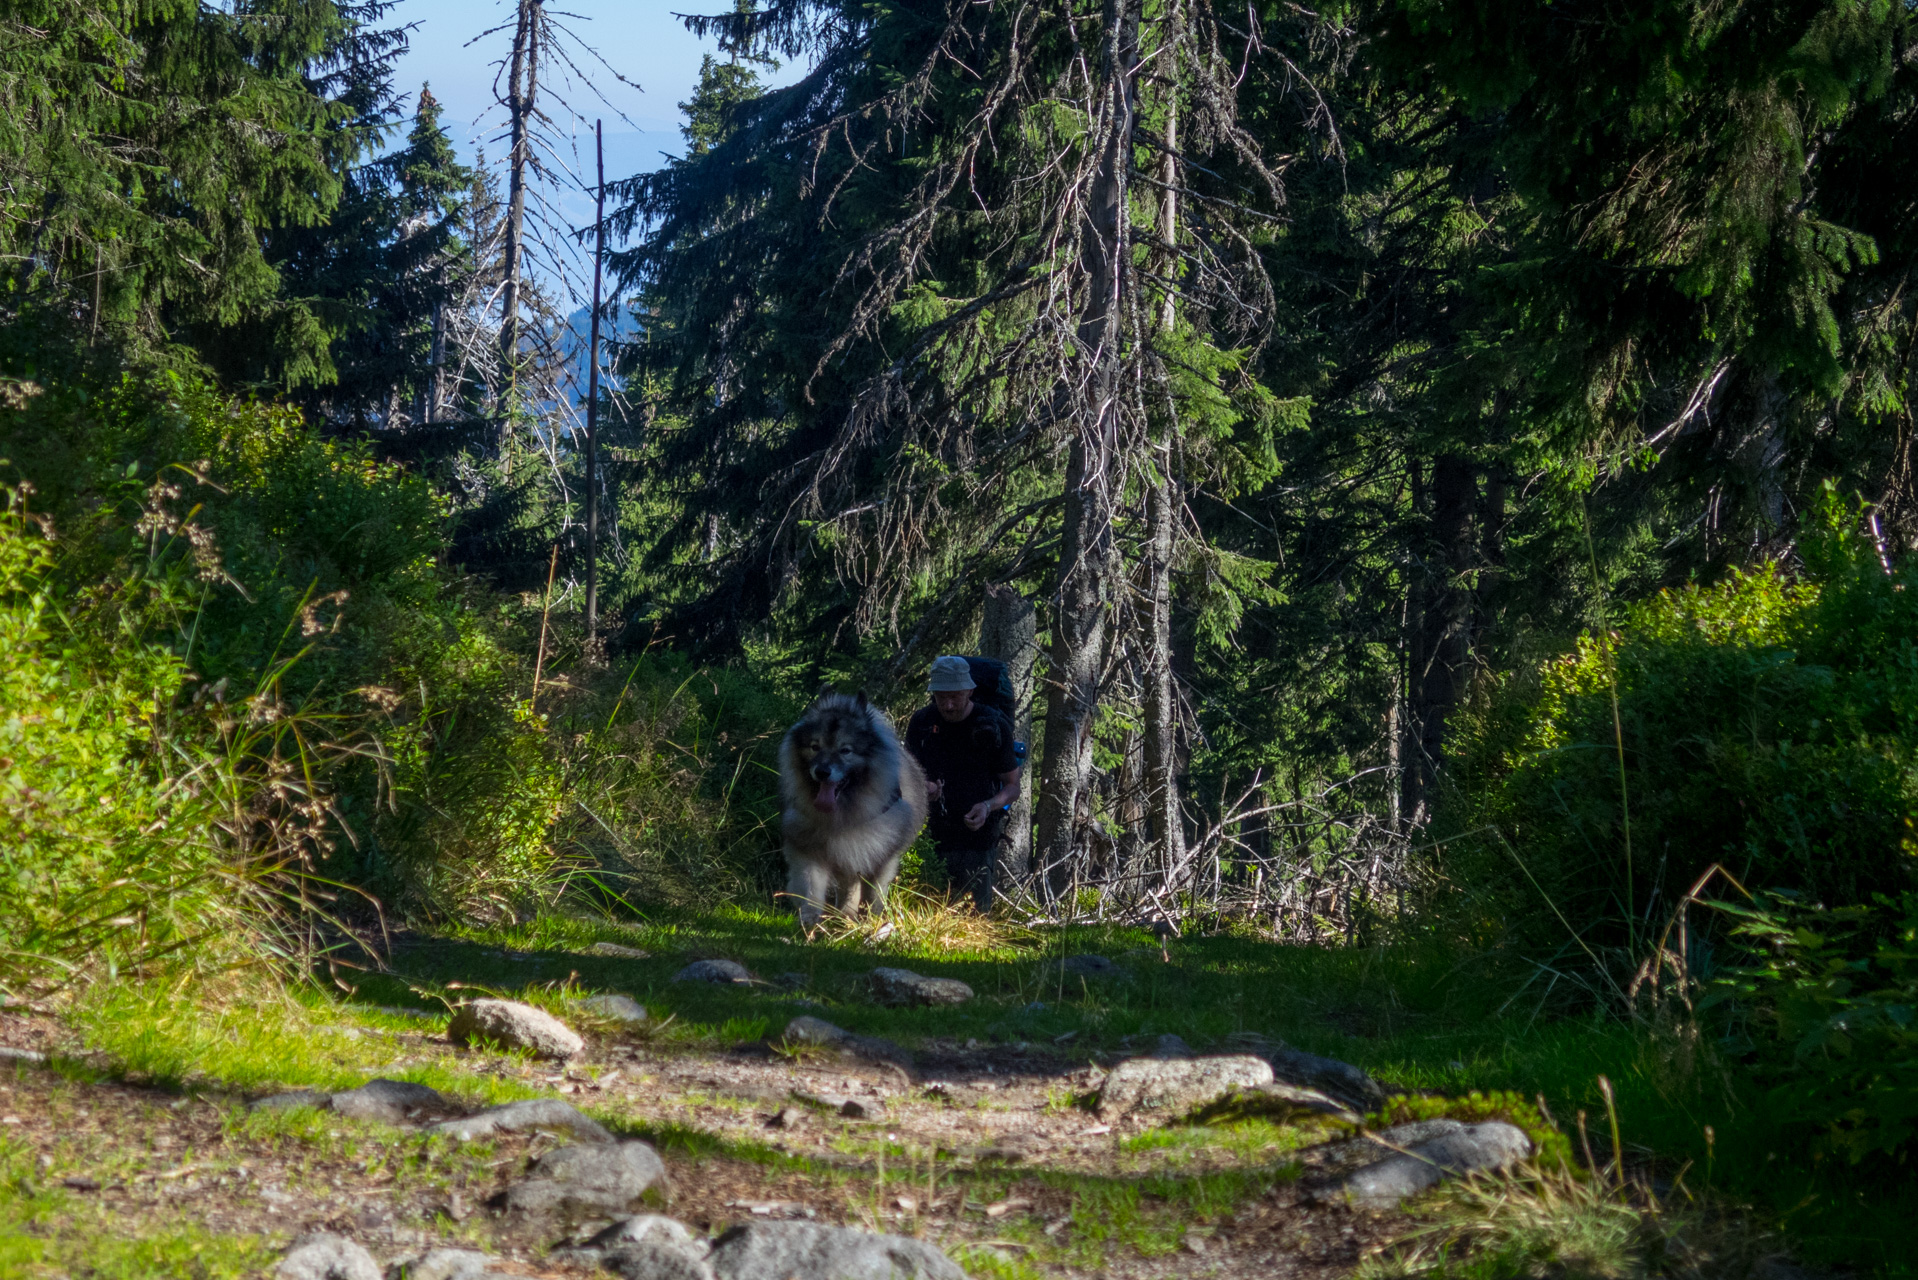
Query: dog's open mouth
{"x": 828, "y": 798}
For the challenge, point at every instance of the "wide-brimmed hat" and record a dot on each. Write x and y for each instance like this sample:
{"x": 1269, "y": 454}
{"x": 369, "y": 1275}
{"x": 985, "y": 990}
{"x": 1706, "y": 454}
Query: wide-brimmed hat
{"x": 950, "y": 675}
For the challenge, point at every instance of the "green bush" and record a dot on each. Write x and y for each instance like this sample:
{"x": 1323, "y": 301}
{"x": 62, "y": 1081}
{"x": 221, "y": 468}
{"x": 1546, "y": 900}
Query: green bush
{"x": 1769, "y": 725}
{"x": 128, "y": 831}
{"x": 1831, "y": 998}
{"x": 242, "y": 573}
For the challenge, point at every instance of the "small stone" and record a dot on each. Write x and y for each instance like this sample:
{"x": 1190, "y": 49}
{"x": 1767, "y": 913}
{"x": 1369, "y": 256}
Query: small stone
{"x": 806, "y": 1029}
{"x": 793, "y": 981}
{"x": 789, "y": 1118}
{"x": 601, "y": 1178}
{"x": 392, "y": 1101}
{"x": 444, "y": 1264}
{"x": 616, "y": 1008}
{"x": 1090, "y": 966}
{"x": 722, "y": 971}
{"x": 32, "y": 1057}
{"x": 651, "y": 1261}
{"x": 514, "y": 1026}
{"x": 297, "y": 1098}
{"x": 903, "y": 986}
{"x": 652, "y": 1228}
{"x": 1342, "y": 1080}
{"x": 1171, "y": 1046}
{"x": 614, "y": 949}
{"x": 320, "y": 1255}
{"x": 1422, "y": 1166}
{"x": 519, "y": 1117}
{"x": 779, "y": 1250}
{"x": 1178, "y": 1083}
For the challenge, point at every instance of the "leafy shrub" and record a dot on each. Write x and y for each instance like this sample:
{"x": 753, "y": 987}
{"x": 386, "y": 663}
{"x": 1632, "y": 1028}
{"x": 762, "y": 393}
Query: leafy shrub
{"x": 133, "y": 825}
{"x": 1769, "y": 725}
{"x": 241, "y": 573}
{"x": 1832, "y": 998}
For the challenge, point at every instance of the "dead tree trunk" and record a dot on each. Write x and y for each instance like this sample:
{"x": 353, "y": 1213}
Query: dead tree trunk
{"x": 1086, "y": 550}
{"x": 1441, "y": 638}
{"x": 1009, "y": 631}
{"x": 522, "y": 89}
{"x": 1164, "y": 820}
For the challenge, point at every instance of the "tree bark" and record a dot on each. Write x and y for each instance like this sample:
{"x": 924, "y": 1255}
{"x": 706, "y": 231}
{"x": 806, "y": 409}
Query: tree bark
{"x": 522, "y": 88}
{"x": 1441, "y": 648}
{"x": 1009, "y": 631}
{"x": 1086, "y": 544}
{"x": 1165, "y": 822}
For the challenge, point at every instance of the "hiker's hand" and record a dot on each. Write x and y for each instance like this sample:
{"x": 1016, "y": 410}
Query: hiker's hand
{"x": 977, "y": 815}
{"x": 932, "y": 789}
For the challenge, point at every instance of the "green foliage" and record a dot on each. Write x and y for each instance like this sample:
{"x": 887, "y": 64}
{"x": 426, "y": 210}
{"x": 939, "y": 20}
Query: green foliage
{"x": 1550, "y": 1146}
{"x": 134, "y": 825}
{"x": 1770, "y": 727}
{"x": 1832, "y": 1001}
{"x": 145, "y": 146}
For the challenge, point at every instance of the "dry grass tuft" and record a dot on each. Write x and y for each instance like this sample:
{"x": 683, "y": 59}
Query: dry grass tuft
{"x": 917, "y": 922}
{"x": 1536, "y": 1223}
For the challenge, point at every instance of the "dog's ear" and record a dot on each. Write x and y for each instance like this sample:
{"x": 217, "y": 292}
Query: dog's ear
{"x": 859, "y": 700}
{"x": 825, "y": 691}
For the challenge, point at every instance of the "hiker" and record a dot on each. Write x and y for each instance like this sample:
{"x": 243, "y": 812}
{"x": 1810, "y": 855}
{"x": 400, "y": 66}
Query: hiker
{"x": 972, "y": 771}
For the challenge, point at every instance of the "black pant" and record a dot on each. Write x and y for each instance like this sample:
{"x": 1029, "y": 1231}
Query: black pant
{"x": 969, "y": 855}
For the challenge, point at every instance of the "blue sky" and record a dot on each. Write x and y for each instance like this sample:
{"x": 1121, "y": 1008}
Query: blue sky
{"x": 640, "y": 39}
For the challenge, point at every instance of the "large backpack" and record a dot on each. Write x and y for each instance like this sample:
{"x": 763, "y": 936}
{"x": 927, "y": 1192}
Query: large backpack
{"x": 993, "y": 686}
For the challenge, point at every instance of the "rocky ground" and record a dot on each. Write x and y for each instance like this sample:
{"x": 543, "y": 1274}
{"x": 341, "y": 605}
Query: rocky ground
{"x": 1008, "y": 1158}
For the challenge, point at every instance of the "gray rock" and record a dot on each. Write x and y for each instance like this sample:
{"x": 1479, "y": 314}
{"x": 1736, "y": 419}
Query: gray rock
{"x": 651, "y": 1261}
{"x": 780, "y": 1250}
{"x": 903, "y": 986}
{"x": 1280, "y": 1103}
{"x": 601, "y": 1178}
{"x": 297, "y": 1098}
{"x": 1180, "y": 1084}
{"x": 1089, "y": 966}
{"x": 512, "y": 1025}
{"x": 614, "y": 949}
{"x": 320, "y": 1255}
{"x": 392, "y": 1101}
{"x": 1423, "y": 1165}
{"x": 806, "y": 1029}
{"x": 32, "y": 1057}
{"x": 616, "y": 1008}
{"x": 650, "y": 1247}
{"x": 714, "y": 971}
{"x": 444, "y": 1264}
{"x": 519, "y": 1117}
{"x": 652, "y": 1228}
{"x": 1171, "y": 1046}
{"x": 1342, "y": 1080}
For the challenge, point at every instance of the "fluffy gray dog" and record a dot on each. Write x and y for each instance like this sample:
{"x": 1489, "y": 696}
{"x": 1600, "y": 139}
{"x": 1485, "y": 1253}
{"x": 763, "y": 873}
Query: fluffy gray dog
{"x": 854, "y": 800}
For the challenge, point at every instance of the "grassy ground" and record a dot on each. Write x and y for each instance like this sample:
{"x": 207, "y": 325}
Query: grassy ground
{"x": 1009, "y": 1066}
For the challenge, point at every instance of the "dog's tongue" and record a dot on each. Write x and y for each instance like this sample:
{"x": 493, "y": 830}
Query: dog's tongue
{"x": 828, "y": 798}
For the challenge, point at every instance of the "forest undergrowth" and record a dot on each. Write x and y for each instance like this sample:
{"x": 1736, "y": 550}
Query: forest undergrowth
{"x": 259, "y": 751}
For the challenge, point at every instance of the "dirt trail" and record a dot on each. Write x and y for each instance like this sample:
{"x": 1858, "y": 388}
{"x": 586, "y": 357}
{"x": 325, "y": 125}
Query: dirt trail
{"x": 980, "y": 1145}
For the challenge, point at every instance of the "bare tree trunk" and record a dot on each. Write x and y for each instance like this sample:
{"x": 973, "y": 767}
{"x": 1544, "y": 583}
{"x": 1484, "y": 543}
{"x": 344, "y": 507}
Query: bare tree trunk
{"x": 592, "y": 393}
{"x": 521, "y": 90}
{"x": 1086, "y": 548}
{"x": 1441, "y": 632}
{"x": 1009, "y": 631}
{"x": 436, "y": 375}
{"x": 1164, "y": 820}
